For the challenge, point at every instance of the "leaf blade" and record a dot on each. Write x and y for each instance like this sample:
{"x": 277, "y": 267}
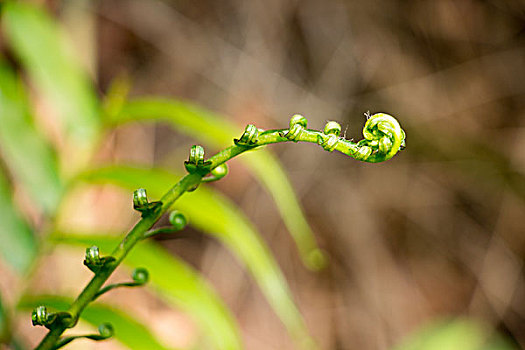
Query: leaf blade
{"x": 455, "y": 334}
{"x": 4, "y": 323}
{"x": 50, "y": 63}
{"x": 18, "y": 246}
{"x": 26, "y": 152}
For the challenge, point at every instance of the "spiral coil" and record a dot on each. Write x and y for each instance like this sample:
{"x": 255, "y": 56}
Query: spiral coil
{"x": 249, "y": 137}
{"x": 330, "y": 137}
{"x": 298, "y": 124}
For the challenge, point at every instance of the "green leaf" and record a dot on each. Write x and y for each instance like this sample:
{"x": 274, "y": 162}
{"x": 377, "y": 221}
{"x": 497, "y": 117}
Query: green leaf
{"x": 127, "y": 330}
{"x": 211, "y": 212}
{"x": 17, "y": 244}
{"x": 25, "y": 151}
{"x": 4, "y": 323}
{"x": 177, "y": 283}
{"x": 215, "y": 131}
{"x": 40, "y": 44}
{"x": 458, "y": 334}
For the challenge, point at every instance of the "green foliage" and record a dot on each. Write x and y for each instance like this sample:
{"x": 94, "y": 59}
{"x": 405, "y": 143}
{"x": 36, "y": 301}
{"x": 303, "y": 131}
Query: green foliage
{"x": 381, "y": 133}
{"x": 459, "y": 334}
{"x": 213, "y": 213}
{"x": 214, "y": 131}
{"x": 55, "y": 70}
{"x": 17, "y": 242}
{"x": 28, "y": 155}
{"x": 4, "y": 323}
{"x": 29, "y": 162}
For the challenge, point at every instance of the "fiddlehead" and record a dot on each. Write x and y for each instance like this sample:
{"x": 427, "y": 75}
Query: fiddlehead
{"x": 142, "y": 204}
{"x": 196, "y": 163}
{"x": 249, "y": 138}
{"x": 93, "y": 261}
{"x": 41, "y": 317}
{"x": 297, "y": 124}
{"x": 105, "y": 331}
{"x": 216, "y": 173}
{"x": 383, "y": 139}
{"x": 177, "y": 220}
{"x": 330, "y": 136}
{"x": 140, "y": 277}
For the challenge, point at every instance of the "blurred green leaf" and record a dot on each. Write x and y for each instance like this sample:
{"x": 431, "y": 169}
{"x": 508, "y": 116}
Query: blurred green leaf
{"x": 40, "y": 44}
{"x": 127, "y": 330}
{"x": 177, "y": 283}
{"x": 17, "y": 244}
{"x": 211, "y": 212}
{"x": 214, "y": 131}
{"x": 459, "y": 334}
{"x": 4, "y": 323}
{"x": 116, "y": 97}
{"x": 6, "y": 335}
{"x": 24, "y": 149}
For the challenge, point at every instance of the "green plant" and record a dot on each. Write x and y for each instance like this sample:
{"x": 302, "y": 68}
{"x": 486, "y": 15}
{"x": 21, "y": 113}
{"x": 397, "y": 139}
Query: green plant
{"x": 383, "y": 139}
{"x": 48, "y": 172}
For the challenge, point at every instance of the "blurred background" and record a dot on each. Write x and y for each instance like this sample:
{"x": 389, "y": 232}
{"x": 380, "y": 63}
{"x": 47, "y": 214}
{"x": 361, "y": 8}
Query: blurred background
{"x": 424, "y": 251}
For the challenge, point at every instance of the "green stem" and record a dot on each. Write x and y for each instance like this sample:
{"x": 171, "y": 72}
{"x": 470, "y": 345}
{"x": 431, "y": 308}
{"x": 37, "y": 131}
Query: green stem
{"x": 377, "y": 129}
{"x": 134, "y": 236}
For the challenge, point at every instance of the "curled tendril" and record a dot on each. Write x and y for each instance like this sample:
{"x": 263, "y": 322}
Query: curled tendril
{"x": 363, "y": 151}
{"x": 297, "y": 124}
{"x": 196, "y": 162}
{"x": 92, "y": 256}
{"x": 105, "y": 331}
{"x": 177, "y": 220}
{"x": 249, "y": 137}
{"x": 196, "y": 155}
{"x": 41, "y": 317}
{"x": 217, "y": 173}
{"x": 140, "y": 199}
{"x": 140, "y": 277}
{"x": 141, "y": 203}
{"x": 330, "y": 137}
{"x": 93, "y": 260}
{"x": 383, "y": 138}
{"x": 332, "y": 128}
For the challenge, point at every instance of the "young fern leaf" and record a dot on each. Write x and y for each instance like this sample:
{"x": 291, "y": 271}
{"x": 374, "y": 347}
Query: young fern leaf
{"x": 132, "y": 333}
{"x": 383, "y": 138}
{"x": 215, "y": 131}
{"x": 174, "y": 281}
{"x": 105, "y": 331}
{"x": 140, "y": 277}
{"x": 214, "y": 214}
